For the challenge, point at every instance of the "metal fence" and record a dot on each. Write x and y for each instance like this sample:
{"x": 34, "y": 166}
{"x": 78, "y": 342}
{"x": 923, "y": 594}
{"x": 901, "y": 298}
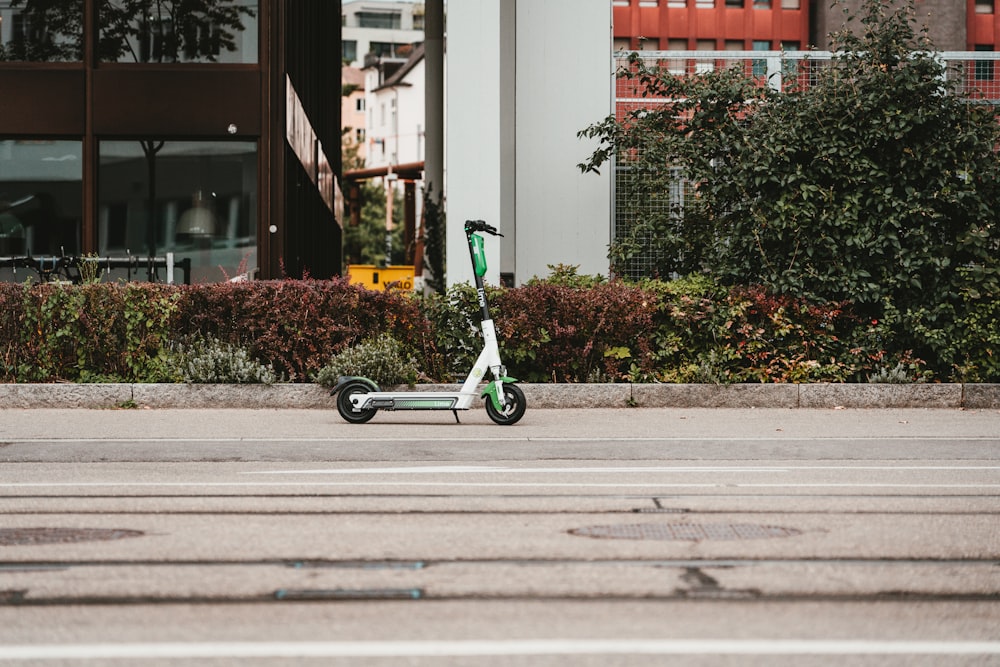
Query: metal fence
{"x": 978, "y": 74}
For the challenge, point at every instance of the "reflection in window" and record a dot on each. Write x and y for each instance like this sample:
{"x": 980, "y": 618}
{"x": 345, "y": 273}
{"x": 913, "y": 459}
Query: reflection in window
{"x": 202, "y": 204}
{"x": 41, "y": 199}
{"x": 41, "y": 30}
{"x": 175, "y": 31}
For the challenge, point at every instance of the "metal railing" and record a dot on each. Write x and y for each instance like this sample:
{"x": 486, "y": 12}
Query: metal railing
{"x": 73, "y": 269}
{"x": 977, "y": 74}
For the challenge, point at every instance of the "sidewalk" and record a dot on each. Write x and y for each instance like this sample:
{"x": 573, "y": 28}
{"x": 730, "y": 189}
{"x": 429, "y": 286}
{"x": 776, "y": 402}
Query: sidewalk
{"x": 310, "y": 396}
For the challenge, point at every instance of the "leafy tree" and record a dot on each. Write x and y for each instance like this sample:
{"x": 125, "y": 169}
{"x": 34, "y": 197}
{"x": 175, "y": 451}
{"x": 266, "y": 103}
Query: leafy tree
{"x": 435, "y": 253}
{"x": 364, "y": 242}
{"x": 878, "y": 183}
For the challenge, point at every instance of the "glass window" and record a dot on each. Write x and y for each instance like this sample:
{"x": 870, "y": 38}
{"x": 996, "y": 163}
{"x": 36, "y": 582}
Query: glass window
{"x": 984, "y": 6}
{"x": 703, "y": 66}
{"x": 984, "y": 68}
{"x": 41, "y": 200}
{"x": 178, "y": 31}
{"x": 734, "y": 3}
{"x": 760, "y": 66}
{"x": 197, "y": 200}
{"x": 390, "y": 49}
{"x": 391, "y": 20}
{"x": 790, "y": 4}
{"x": 677, "y": 66}
{"x": 761, "y": 4}
{"x": 349, "y": 50}
{"x": 50, "y": 31}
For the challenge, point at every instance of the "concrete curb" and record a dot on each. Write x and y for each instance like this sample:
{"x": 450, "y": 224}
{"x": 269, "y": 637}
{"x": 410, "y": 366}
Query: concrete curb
{"x": 311, "y": 396}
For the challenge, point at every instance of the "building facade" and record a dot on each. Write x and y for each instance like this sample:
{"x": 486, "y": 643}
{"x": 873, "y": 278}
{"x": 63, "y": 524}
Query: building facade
{"x": 745, "y": 25}
{"x": 353, "y": 116}
{"x": 151, "y": 131}
{"x": 710, "y": 25}
{"x": 382, "y": 29}
{"x": 394, "y": 102}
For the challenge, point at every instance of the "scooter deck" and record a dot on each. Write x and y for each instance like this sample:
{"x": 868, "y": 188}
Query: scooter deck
{"x": 429, "y": 400}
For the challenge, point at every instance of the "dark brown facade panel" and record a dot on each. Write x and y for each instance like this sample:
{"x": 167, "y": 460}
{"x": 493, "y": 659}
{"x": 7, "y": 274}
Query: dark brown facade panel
{"x": 35, "y": 101}
{"x": 179, "y": 102}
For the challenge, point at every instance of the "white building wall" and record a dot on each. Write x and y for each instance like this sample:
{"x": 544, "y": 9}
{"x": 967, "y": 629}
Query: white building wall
{"x": 523, "y": 77}
{"x": 395, "y": 137}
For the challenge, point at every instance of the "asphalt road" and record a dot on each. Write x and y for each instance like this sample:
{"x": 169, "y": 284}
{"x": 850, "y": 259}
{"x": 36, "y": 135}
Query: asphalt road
{"x": 576, "y": 537}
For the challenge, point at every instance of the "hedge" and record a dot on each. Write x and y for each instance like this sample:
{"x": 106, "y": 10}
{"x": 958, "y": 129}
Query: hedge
{"x": 565, "y": 328}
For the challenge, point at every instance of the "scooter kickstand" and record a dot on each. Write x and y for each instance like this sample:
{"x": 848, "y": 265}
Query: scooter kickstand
{"x": 457, "y": 420}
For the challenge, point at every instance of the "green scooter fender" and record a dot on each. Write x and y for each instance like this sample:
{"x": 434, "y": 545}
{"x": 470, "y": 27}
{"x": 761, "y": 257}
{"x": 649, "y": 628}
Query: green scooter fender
{"x": 491, "y": 390}
{"x": 346, "y": 379}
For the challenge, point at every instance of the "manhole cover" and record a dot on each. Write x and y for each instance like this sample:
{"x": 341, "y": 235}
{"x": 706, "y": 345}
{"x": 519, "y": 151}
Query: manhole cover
{"x": 22, "y": 536}
{"x": 693, "y": 532}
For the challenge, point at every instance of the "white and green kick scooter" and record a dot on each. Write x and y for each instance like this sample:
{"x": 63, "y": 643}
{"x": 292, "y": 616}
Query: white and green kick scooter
{"x": 359, "y": 398}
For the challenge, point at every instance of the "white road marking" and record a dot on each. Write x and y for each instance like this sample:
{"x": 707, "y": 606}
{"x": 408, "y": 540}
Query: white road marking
{"x": 574, "y": 485}
{"x": 516, "y": 647}
{"x": 784, "y": 437}
{"x": 409, "y": 476}
{"x": 502, "y": 469}
{"x": 409, "y": 470}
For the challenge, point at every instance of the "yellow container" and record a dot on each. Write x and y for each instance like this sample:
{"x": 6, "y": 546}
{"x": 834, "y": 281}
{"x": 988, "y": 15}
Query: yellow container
{"x": 397, "y": 276}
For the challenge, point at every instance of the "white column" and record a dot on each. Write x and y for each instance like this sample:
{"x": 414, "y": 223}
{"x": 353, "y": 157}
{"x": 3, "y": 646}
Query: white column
{"x": 473, "y": 145}
{"x": 523, "y": 77}
{"x": 564, "y": 84}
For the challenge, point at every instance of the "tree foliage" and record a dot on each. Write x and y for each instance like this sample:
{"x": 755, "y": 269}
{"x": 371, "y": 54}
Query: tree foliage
{"x": 365, "y": 242}
{"x": 877, "y": 184}
{"x": 435, "y": 251}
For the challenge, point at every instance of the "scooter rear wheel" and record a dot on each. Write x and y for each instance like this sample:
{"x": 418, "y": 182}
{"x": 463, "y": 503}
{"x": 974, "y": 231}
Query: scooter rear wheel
{"x": 347, "y": 409}
{"x": 513, "y": 409}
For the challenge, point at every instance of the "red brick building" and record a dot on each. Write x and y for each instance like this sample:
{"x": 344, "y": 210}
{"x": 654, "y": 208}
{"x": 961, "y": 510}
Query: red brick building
{"x": 745, "y": 25}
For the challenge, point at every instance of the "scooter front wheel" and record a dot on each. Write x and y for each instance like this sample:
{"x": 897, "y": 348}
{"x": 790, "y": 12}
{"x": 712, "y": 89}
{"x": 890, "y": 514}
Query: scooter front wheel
{"x": 513, "y": 409}
{"x": 347, "y": 409}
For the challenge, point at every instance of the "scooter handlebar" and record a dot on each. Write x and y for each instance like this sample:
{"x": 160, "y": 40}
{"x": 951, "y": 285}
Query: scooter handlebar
{"x": 480, "y": 226}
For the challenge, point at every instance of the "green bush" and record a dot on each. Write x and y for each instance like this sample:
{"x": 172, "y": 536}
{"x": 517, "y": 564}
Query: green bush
{"x": 381, "y": 359}
{"x": 453, "y": 318}
{"x": 210, "y": 360}
{"x": 114, "y": 332}
{"x": 877, "y": 184}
